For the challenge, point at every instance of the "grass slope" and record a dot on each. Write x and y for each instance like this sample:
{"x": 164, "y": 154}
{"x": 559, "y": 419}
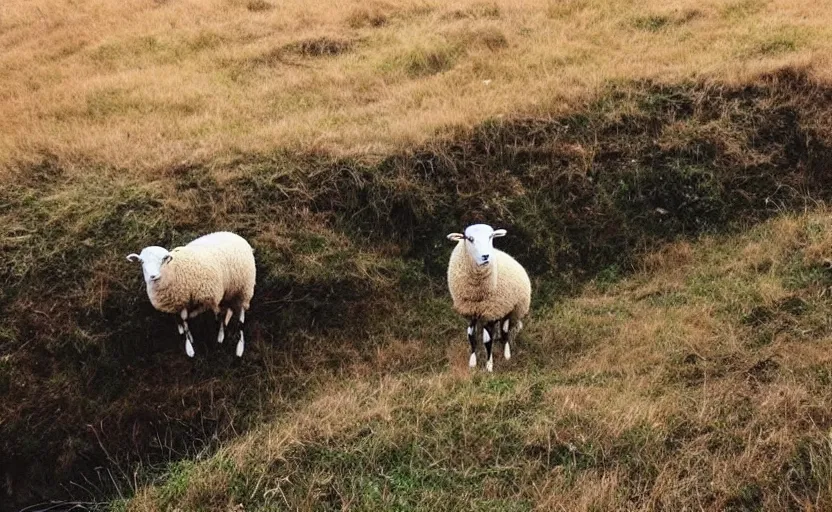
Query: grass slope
{"x": 700, "y": 381}
{"x": 345, "y": 141}
{"x": 352, "y": 259}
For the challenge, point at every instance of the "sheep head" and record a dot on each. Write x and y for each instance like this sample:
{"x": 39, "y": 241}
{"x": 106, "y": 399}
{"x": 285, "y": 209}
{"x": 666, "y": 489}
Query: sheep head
{"x": 479, "y": 242}
{"x": 152, "y": 258}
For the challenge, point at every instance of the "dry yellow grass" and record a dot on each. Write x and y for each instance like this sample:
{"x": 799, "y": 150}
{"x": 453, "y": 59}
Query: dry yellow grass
{"x": 143, "y": 84}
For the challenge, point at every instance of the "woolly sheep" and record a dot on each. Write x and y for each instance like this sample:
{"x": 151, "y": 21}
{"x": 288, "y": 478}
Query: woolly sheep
{"x": 489, "y": 288}
{"x": 212, "y": 273}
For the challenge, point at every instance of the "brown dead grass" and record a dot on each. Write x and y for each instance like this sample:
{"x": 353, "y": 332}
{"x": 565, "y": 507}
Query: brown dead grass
{"x": 129, "y": 84}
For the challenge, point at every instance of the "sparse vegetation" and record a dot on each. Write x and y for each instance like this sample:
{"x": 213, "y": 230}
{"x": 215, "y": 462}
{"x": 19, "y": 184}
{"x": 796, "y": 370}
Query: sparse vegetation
{"x": 660, "y": 168}
{"x": 657, "y": 22}
{"x": 320, "y": 47}
{"x": 259, "y": 6}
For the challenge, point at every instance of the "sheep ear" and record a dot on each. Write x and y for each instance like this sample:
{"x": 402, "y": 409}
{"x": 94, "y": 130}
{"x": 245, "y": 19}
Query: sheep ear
{"x": 498, "y": 233}
{"x": 167, "y": 258}
{"x": 133, "y": 257}
{"x": 455, "y": 237}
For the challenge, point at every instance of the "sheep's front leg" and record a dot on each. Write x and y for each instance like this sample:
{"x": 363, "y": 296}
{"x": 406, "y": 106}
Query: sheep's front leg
{"x": 472, "y": 340}
{"x": 183, "y": 329}
{"x": 241, "y": 343}
{"x": 488, "y": 332}
{"x": 223, "y": 324}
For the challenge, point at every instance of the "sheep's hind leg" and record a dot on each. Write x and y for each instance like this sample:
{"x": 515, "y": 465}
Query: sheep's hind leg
{"x": 472, "y": 340}
{"x": 505, "y": 327}
{"x": 241, "y": 343}
{"x": 223, "y": 324}
{"x": 183, "y": 329}
{"x": 488, "y": 333}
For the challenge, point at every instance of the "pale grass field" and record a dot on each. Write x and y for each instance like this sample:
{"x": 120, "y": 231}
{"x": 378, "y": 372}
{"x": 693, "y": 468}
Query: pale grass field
{"x": 141, "y": 85}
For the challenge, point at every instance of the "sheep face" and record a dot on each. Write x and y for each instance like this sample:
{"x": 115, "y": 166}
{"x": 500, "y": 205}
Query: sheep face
{"x": 479, "y": 243}
{"x": 152, "y": 258}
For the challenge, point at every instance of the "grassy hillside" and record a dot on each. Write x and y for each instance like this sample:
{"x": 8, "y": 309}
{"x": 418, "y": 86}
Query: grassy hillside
{"x": 700, "y": 381}
{"x": 351, "y": 271}
{"x": 661, "y": 169}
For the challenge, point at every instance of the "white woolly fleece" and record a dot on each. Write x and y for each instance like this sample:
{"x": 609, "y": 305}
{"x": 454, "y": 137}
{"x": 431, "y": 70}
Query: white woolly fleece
{"x": 489, "y": 292}
{"x": 199, "y": 276}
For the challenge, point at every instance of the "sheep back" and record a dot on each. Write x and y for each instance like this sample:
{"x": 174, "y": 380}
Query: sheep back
{"x": 188, "y": 279}
{"x": 236, "y": 264}
{"x": 212, "y": 269}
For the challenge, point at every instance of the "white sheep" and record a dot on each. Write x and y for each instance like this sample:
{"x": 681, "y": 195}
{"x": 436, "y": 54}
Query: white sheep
{"x": 489, "y": 288}
{"x": 213, "y": 272}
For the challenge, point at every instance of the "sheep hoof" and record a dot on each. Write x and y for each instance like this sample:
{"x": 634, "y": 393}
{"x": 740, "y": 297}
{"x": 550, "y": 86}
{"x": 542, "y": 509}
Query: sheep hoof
{"x": 472, "y": 361}
{"x": 489, "y": 365}
{"x": 240, "y": 346}
{"x": 507, "y": 352}
{"x": 189, "y": 349}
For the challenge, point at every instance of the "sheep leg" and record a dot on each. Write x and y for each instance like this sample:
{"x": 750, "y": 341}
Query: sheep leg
{"x": 223, "y": 323}
{"x": 197, "y": 311}
{"x": 487, "y": 334}
{"x": 183, "y": 328}
{"x": 241, "y": 343}
{"x": 505, "y": 327}
{"x": 472, "y": 340}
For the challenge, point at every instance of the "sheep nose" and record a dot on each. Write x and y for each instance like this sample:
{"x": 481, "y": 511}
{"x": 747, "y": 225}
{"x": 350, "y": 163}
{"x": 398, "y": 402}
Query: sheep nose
{"x": 484, "y": 257}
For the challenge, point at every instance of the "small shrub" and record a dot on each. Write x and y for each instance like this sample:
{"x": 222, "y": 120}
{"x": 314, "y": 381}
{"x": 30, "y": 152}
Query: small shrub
{"x": 319, "y": 47}
{"x": 426, "y": 61}
{"x": 259, "y": 6}
{"x": 652, "y": 22}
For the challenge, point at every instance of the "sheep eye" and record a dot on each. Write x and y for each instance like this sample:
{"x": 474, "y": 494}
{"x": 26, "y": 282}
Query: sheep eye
{"x": 470, "y": 239}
